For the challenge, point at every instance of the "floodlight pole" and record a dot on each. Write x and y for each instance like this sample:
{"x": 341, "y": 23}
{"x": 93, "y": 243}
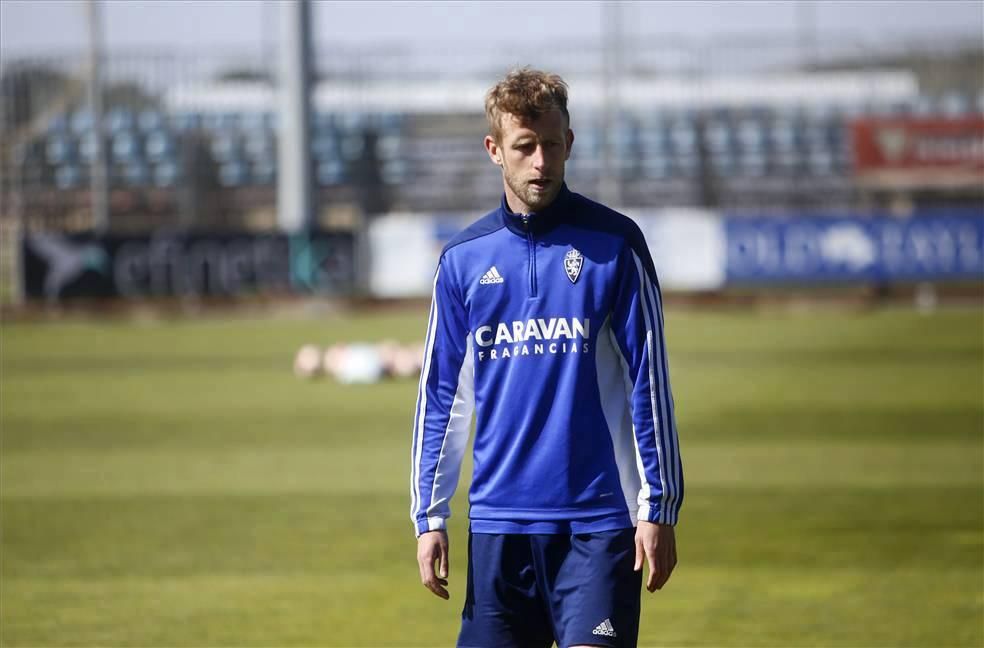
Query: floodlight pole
{"x": 610, "y": 188}
{"x": 294, "y": 197}
{"x": 806, "y": 28}
{"x": 98, "y": 185}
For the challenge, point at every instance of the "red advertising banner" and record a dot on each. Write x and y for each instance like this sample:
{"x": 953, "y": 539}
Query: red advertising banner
{"x": 884, "y": 144}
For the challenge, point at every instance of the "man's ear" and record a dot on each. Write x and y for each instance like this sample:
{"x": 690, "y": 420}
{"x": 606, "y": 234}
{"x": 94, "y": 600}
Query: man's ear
{"x": 495, "y": 154}
{"x": 570, "y": 143}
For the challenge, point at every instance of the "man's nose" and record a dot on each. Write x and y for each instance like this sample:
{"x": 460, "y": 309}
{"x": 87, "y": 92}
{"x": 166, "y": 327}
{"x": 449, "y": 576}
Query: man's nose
{"x": 539, "y": 158}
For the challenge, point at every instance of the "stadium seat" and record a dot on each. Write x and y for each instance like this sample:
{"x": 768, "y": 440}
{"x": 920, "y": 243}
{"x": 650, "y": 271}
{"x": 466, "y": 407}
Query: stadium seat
{"x": 352, "y": 146}
{"x": 126, "y": 147}
{"x": 717, "y": 137}
{"x": 225, "y": 146}
{"x": 87, "y": 147}
{"x": 159, "y": 145}
{"x": 165, "y": 174}
{"x": 60, "y": 149}
{"x": 118, "y": 120}
{"x": 68, "y": 176}
{"x": 330, "y": 173}
{"x": 954, "y": 104}
{"x": 389, "y": 147}
{"x": 149, "y": 121}
{"x": 220, "y": 121}
{"x": 753, "y": 164}
{"x": 394, "y": 172}
{"x": 260, "y": 144}
{"x": 683, "y": 137}
{"x": 135, "y": 174}
{"x": 656, "y": 167}
{"x": 57, "y": 124}
{"x": 325, "y": 147}
{"x": 263, "y": 172}
{"x": 81, "y": 122}
{"x": 234, "y": 173}
{"x": 186, "y": 121}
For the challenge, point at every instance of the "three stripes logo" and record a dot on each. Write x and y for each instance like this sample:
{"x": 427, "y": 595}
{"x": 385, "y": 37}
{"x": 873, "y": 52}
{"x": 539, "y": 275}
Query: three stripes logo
{"x": 604, "y": 629}
{"x": 491, "y": 277}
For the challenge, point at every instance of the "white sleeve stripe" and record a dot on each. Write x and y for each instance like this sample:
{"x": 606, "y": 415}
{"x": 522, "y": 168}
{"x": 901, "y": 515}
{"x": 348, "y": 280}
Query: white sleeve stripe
{"x": 669, "y": 431}
{"x": 456, "y": 432}
{"x": 645, "y": 489}
{"x": 418, "y": 422}
{"x": 660, "y": 453}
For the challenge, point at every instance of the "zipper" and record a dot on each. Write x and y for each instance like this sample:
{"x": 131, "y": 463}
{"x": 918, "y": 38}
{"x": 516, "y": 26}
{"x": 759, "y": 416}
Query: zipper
{"x": 531, "y": 247}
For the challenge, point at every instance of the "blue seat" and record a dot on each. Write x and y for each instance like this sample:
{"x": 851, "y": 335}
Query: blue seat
{"x": 136, "y": 174}
{"x": 394, "y": 172}
{"x": 750, "y": 136}
{"x": 656, "y": 167}
{"x": 389, "y": 147}
{"x": 753, "y": 164}
{"x": 252, "y": 121}
{"x": 126, "y": 147}
{"x": 87, "y": 147}
{"x": 118, "y": 120}
{"x": 954, "y": 104}
{"x": 352, "y": 146}
{"x": 330, "y": 173}
{"x": 150, "y": 121}
{"x": 233, "y": 174}
{"x": 81, "y": 121}
{"x": 724, "y": 164}
{"x": 60, "y": 149}
{"x": 683, "y": 137}
{"x": 718, "y": 137}
{"x": 58, "y": 124}
{"x": 225, "y": 146}
{"x": 220, "y": 121}
{"x": 165, "y": 174}
{"x": 260, "y": 145}
{"x": 263, "y": 172}
{"x": 159, "y": 145}
{"x": 186, "y": 121}
{"x": 68, "y": 176}
{"x": 325, "y": 147}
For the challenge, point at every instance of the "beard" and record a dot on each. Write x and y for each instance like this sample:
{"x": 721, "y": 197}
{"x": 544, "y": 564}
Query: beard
{"x": 532, "y": 197}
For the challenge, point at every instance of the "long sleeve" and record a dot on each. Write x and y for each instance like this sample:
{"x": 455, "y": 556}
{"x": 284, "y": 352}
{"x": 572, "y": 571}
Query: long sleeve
{"x": 445, "y": 402}
{"x": 637, "y": 322}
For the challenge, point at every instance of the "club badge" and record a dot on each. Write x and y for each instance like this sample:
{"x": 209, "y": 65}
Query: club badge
{"x": 573, "y": 261}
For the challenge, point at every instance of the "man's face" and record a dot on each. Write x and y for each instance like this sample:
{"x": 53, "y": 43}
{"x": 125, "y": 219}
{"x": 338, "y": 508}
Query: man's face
{"x": 532, "y": 155}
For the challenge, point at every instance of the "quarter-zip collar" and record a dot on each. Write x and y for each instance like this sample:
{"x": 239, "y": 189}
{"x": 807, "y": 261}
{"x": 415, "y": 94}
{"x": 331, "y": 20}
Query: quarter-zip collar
{"x": 540, "y": 221}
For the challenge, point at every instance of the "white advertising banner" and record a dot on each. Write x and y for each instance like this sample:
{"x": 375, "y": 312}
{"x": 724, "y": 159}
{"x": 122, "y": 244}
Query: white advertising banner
{"x": 688, "y": 247}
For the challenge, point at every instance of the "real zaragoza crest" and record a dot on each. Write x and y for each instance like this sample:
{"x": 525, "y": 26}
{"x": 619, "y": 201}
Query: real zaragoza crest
{"x": 572, "y": 263}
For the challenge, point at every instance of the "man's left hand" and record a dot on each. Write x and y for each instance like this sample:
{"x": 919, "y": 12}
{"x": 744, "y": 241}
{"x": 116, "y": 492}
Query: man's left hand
{"x": 657, "y": 543}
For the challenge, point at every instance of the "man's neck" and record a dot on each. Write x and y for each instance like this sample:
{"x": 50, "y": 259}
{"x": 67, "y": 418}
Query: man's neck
{"x": 517, "y": 206}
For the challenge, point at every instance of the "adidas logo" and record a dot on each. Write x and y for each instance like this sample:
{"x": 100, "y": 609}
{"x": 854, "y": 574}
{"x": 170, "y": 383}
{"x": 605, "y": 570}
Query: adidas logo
{"x": 491, "y": 277}
{"x": 604, "y": 629}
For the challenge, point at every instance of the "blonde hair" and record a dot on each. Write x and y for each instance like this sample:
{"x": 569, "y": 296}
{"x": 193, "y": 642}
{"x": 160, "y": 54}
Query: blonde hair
{"x": 527, "y": 94}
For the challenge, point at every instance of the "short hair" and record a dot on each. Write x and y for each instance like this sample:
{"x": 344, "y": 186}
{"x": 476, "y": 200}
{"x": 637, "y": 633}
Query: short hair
{"x": 527, "y": 94}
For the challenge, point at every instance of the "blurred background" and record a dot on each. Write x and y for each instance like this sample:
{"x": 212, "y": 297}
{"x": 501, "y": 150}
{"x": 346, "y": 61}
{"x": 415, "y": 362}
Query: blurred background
{"x": 192, "y": 192}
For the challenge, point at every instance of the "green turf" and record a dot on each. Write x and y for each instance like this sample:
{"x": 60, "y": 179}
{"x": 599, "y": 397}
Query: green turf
{"x": 172, "y": 484}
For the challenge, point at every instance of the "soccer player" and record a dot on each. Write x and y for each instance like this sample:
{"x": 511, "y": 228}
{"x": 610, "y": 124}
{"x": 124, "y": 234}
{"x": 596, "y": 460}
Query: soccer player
{"x": 546, "y": 322}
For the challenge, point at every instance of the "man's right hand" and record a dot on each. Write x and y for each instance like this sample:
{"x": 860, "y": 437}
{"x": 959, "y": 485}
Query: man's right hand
{"x": 432, "y": 547}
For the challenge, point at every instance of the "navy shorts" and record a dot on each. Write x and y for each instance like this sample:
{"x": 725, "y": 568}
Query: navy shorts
{"x": 527, "y": 591}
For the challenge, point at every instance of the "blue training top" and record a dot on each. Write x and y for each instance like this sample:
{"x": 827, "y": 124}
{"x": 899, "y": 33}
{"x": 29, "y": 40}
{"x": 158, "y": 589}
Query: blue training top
{"x": 549, "y": 327}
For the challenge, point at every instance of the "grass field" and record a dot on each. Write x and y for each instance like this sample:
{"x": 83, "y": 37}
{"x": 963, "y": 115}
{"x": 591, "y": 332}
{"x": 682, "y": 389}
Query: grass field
{"x": 172, "y": 484}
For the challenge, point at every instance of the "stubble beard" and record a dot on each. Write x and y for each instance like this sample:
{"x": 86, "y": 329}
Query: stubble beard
{"x": 535, "y": 201}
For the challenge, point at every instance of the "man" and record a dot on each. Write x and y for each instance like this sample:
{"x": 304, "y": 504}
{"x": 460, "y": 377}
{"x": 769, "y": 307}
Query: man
{"x": 546, "y": 320}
